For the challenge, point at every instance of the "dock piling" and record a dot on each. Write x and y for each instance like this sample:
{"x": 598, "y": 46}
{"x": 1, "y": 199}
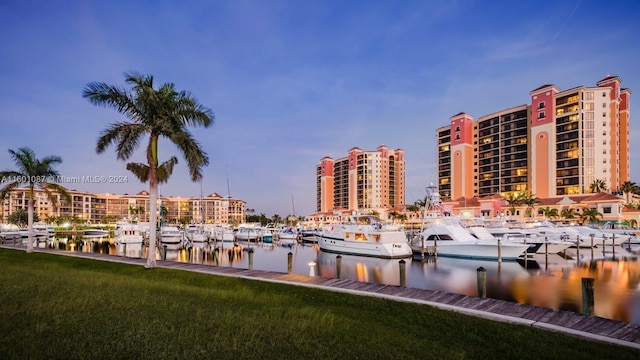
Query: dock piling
{"x": 587, "y": 296}
{"x": 338, "y": 266}
{"x": 289, "y": 262}
{"x": 482, "y": 282}
{"x": 403, "y": 273}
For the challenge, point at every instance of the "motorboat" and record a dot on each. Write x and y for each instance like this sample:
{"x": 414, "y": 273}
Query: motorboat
{"x": 309, "y": 235}
{"x": 224, "y": 234}
{"x": 196, "y": 234}
{"x": 39, "y": 230}
{"x": 445, "y": 236}
{"x": 129, "y": 239}
{"x": 99, "y": 232}
{"x": 266, "y": 235}
{"x": 287, "y": 236}
{"x": 247, "y": 233}
{"x": 172, "y": 237}
{"x": 537, "y": 241}
{"x": 9, "y": 232}
{"x": 365, "y": 235}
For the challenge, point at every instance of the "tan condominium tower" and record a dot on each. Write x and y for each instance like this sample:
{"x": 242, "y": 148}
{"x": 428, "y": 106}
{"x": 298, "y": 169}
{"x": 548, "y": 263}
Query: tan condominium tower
{"x": 558, "y": 145}
{"x": 363, "y": 180}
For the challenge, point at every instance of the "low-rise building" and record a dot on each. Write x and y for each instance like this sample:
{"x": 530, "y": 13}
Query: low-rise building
{"x": 95, "y": 208}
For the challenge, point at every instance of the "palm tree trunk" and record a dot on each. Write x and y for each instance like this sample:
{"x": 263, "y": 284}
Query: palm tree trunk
{"x": 30, "y": 209}
{"x": 153, "y": 209}
{"x": 153, "y": 220}
{"x": 152, "y": 159}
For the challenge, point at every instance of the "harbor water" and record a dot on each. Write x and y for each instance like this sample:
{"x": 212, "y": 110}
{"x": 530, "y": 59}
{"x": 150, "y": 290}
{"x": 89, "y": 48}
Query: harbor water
{"x": 551, "y": 281}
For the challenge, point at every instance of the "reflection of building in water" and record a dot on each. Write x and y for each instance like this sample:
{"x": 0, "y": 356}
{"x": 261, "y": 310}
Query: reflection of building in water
{"x": 562, "y": 289}
{"x": 360, "y": 268}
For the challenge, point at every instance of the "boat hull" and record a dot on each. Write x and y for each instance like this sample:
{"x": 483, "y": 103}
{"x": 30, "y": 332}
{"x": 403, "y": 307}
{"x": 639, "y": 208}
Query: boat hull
{"x": 381, "y": 250}
{"x": 473, "y": 250}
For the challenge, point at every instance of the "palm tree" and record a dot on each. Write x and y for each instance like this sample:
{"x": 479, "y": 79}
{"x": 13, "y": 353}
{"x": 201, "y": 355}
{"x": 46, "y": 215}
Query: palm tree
{"x": 627, "y": 188}
{"x": 550, "y": 213}
{"x": 568, "y": 213}
{"x": 530, "y": 200}
{"x": 590, "y": 215}
{"x": 513, "y": 200}
{"x": 393, "y": 215}
{"x": 36, "y": 174}
{"x": 157, "y": 113}
{"x": 597, "y": 186}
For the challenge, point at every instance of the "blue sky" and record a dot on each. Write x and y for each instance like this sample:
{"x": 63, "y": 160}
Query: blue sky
{"x": 293, "y": 81}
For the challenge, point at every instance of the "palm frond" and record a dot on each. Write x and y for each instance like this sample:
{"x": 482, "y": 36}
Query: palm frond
{"x": 105, "y": 95}
{"x": 126, "y": 137}
{"x": 59, "y": 189}
{"x": 24, "y": 158}
{"x": 193, "y": 153}
{"x": 165, "y": 170}
{"x": 141, "y": 171}
{"x": 8, "y": 188}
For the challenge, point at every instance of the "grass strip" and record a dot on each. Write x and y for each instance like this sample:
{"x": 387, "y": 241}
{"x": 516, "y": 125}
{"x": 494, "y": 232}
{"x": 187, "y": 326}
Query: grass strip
{"x": 60, "y": 307}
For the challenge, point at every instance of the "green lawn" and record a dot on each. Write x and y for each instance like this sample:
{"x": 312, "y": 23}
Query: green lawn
{"x": 59, "y": 307}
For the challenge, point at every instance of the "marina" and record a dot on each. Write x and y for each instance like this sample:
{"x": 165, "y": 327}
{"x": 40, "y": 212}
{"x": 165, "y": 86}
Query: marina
{"x": 591, "y": 327}
{"x": 550, "y": 281}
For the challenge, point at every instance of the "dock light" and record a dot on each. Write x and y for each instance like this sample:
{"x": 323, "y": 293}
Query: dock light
{"x": 312, "y": 268}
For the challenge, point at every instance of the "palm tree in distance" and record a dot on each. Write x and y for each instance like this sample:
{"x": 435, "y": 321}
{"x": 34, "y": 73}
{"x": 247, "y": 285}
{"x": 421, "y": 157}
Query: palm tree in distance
{"x": 156, "y": 113}
{"x": 35, "y": 173}
{"x": 530, "y": 201}
{"x": 550, "y": 213}
{"x": 627, "y": 188}
{"x": 597, "y": 186}
{"x": 513, "y": 200}
{"x": 568, "y": 213}
{"x": 590, "y": 215}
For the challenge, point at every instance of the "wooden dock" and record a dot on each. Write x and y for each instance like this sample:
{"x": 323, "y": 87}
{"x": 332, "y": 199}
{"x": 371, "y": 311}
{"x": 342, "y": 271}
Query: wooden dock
{"x": 591, "y": 327}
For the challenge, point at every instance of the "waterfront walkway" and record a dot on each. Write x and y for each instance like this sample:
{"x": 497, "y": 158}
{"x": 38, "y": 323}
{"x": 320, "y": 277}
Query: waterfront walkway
{"x": 591, "y": 327}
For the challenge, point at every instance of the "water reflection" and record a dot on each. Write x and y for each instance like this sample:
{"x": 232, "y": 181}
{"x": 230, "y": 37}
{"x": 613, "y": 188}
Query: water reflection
{"x": 550, "y": 281}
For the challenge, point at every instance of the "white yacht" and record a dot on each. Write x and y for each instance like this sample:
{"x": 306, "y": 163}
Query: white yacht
{"x": 223, "y": 233}
{"x": 172, "y": 237}
{"x": 9, "y": 232}
{"x": 129, "y": 239}
{"x": 538, "y": 241}
{"x": 287, "y": 236}
{"x": 196, "y": 234}
{"x": 365, "y": 235}
{"x": 247, "y": 232}
{"x": 446, "y": 237}
{"x": 99, "y": 232}
{"x": 39, "y": 230}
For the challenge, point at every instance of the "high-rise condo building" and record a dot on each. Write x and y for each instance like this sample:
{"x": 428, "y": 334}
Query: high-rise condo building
{"x": 559, "y": 145}
{"x": 362, "y": 180}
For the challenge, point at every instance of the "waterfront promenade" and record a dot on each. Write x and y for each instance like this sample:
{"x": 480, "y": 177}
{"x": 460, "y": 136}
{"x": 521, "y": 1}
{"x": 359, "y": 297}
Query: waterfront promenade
{"x": 590, "y": 327}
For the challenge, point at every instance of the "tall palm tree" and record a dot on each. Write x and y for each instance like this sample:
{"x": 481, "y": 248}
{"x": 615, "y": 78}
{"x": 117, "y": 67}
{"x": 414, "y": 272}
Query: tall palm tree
{"x": 597, "y": 186}
{"x": 156, "y": 113}
{"x": 36, "y": 174}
